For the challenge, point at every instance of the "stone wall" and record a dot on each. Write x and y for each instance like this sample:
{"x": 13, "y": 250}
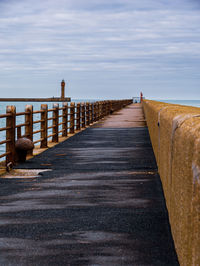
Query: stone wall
{"x": 175, "y": 136}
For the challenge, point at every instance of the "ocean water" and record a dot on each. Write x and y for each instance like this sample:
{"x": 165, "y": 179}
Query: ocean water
{"x": 20, "y": 107}
{"x": 195, "y": 103}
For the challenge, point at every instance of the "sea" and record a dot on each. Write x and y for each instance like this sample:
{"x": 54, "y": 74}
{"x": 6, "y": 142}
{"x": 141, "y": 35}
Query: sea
{"x": 20, "y": 107}
{"x": 195, "y": 103}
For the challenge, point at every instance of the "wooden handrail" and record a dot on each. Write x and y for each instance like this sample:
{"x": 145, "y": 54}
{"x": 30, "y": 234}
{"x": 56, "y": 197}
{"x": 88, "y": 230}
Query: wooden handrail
{"x": 4, "y": 154}
{"x": 21, "y": 113}
{"x": 38, "y": 131}
{"x": 38, "y": 112}
{"x": 4, "y": 128}
{"x": 22, "y": 125}
{"x": 39, "y": 140}
{"x": 73, "y": 117}
{"x": 50, "y": 127}
{"x": 5, "y": 115}
{"x": 5, "y": 141}
{"x": 38, "y": 121}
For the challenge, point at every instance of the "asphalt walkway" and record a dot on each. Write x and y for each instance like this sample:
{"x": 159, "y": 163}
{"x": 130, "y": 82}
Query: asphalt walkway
{"x": 98, "y": 201}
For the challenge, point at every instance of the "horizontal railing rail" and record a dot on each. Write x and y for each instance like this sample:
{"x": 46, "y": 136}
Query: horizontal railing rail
{"x": 41, "y": 125}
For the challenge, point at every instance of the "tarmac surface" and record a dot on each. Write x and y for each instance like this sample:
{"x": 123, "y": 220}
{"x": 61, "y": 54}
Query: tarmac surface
{"x": 95, "y": 199}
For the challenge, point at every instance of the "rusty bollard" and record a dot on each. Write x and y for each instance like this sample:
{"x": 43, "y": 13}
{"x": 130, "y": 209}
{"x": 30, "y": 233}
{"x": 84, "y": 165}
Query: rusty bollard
{"x": 22, "y": 146}
{"x": 111, "y": 110}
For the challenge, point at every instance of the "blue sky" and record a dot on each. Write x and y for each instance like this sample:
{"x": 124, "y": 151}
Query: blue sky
{"x": 103, "y": 49}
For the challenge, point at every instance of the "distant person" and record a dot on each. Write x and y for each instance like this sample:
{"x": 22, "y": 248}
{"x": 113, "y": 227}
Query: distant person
{"x": 141, "y": 96}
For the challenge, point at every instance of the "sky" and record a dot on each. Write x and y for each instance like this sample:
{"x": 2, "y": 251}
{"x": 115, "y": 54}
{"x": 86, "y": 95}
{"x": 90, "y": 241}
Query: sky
{"x": 103, "y": 49}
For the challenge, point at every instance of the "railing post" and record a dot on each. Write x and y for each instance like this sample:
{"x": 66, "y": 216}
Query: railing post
{"x": 55, "y": 122}
{"x": 83, "y": 115}
{"x": 29, "y": 122}
{"x": 87, "y": 114}
{"x": 72, "y": 107}
{"x": 65, "y": 120}
{"x": 10, "y": 134}
{"x": 78, "y": 117}
{"x": 19, "y": 132}
{"x": 113, "y": 105}
{"x": 100, "y": 110}
{"x": 95, "y": 112}
{"x": 91, "y": 113}
{"x": 117, "y": 105}
{"x": 44, "y": 125}
{"x": 110, "y": 107}
{"x": 104, "y": 108}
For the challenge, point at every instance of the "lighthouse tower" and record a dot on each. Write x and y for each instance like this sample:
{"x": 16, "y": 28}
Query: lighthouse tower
{"x": 63, "y": 89}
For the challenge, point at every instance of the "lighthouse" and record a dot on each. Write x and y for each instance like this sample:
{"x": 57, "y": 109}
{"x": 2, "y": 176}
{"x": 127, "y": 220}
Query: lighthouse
{"x": 63, "y": 89}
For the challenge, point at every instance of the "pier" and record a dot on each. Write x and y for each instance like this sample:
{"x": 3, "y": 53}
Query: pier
{"x": 94, "y": 199}
{"x": 92, "y": 192}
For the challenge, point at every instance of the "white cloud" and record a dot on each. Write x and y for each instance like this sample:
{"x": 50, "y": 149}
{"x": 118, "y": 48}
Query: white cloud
{"x": 126, "y": 36}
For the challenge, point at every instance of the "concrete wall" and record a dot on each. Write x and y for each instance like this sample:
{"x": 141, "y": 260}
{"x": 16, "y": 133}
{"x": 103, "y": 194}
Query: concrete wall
{"x": 175, "y": 136}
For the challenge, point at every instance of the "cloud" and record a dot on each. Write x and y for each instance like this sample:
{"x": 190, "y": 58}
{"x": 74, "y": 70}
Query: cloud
{"x": 125, "y": 36}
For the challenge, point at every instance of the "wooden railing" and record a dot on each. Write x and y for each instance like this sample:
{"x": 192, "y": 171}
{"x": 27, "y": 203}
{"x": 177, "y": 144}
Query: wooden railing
{"x": 58, "y": 121}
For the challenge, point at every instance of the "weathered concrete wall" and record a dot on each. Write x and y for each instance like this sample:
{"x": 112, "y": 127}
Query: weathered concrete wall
{"x": 175, "y": 136}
